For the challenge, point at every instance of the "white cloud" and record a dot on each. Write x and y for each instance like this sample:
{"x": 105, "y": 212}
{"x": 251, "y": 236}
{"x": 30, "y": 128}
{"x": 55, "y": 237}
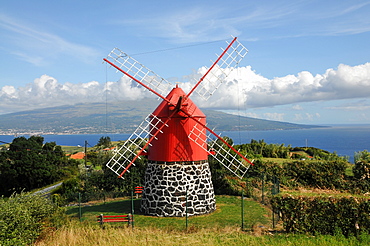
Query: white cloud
{"x": 244, "y": 89}
{"x": 306, "y": 117}
{"x": 46, "y": 91}
{"x": 274, "y": 116}
{"x": 358, "y": 105}
{"x": 250, "y": 114}
{"x": 297, "y": 107}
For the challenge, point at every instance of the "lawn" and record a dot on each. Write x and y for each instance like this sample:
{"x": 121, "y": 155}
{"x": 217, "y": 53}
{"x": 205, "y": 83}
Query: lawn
{"x": 227, "y": 214}
{"x": 222, "y": 227}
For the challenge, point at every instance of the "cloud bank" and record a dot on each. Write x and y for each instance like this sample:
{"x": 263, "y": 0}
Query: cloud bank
{"x": 253, "y": 90}
{"x": 244, "y": 88}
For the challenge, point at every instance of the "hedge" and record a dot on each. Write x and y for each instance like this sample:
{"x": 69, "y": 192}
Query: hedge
{"x": 22, "y": 218}
{"x": 323, "y": 215}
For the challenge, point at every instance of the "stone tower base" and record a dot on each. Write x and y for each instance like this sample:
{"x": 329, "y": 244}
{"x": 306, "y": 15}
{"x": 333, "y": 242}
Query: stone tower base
{"x": 169, "y": 185}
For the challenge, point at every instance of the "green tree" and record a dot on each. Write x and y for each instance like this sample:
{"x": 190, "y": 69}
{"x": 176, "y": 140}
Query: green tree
{"x": 104, "y": 142}
{"x": 30, "y": 164}
{"x": 362, "y": 156}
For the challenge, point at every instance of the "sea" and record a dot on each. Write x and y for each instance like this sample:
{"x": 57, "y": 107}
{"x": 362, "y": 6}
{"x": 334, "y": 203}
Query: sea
{"x": 344, "y": 140}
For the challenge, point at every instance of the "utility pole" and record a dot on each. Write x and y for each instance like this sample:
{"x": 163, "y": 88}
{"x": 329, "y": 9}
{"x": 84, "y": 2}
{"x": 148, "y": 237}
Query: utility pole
{"x": 85, "y": 157}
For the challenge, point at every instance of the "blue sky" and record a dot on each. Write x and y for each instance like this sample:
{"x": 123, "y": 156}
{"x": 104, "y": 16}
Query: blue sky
{"x": 308, "y": 61}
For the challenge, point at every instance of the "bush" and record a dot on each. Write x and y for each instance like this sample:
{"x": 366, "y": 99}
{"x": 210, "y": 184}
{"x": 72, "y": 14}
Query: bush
{"x": 318, "y": 174}
{"x": 361, "y": 170}
{"x": 22, "y": 217}
{"x": 323, "y": 215}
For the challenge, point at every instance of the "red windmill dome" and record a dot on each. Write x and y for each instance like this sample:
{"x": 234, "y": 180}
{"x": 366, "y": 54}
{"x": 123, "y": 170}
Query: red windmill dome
{"x": 174, "y": 144}
{"x": 176, "y": 139}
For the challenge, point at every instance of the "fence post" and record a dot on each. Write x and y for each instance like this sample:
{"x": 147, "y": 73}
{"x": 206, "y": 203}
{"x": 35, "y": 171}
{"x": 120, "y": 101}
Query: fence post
{"x": 242, "y": 210}
{"x": 79, "y": 206}
{"x": 130, "y": 219}
{"x": 275, "y": 190}
{"x": 263, "y": 188}
{"x": 132, "y": 209}
{"x": 186, "y": 207}
{"x": 101, "y": 220}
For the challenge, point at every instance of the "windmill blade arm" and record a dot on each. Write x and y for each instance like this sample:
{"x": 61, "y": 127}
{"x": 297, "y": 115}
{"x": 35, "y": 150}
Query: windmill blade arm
{"x": 213, "y": 65}
{"x": 118, "y": 163}
{"x": 138, "y": 72}
{"x": 158, "y": 129}
{"x": 125, "y": 157}
{"x": 220, "y": 69}
{"x": 230, "y": 158}
{"x": 236, "y": 162}
{"x": 220, "y": 138}
{"x": 228, "y": 145}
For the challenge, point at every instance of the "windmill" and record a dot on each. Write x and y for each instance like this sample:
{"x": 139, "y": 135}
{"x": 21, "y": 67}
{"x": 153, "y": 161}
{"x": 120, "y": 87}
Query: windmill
{"x": 176, "y": 139}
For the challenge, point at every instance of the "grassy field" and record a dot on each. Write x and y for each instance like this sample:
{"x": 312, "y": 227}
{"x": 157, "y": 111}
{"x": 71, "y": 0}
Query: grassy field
{"x": 84, "y": 235}
{"x": 227, "y": 214}
{"x": 222, "y": 227}
{"x": 73, "y": 149}
{"x": 321, "y": 193}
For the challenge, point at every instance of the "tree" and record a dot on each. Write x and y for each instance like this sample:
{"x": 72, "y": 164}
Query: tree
{"x": 30, "y": 164}
{"x": 104, "y": 142}
{"x": 362, "y": 156}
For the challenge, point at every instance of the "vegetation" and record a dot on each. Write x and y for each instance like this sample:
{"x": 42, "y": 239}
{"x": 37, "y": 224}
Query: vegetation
{"x": 104, "y": 142}
{"x": 228, "y": 214}
{"x": 23, "y": 216}
{"x": 82, "y": 235}
{"x": 343, "y": 212}
{"x": 223, "y": 227}
{"x": 29, "y": 164}
{"x": 324, "y": 215}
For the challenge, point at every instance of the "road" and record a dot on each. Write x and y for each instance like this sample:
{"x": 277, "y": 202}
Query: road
{"x": 47, "y": 190}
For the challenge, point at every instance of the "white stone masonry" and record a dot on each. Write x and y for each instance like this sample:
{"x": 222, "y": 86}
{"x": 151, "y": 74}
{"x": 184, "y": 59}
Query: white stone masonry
{"x": 168, "y": 186}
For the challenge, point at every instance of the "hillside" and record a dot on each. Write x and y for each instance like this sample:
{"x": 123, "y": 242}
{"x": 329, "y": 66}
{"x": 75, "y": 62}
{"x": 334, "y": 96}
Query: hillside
{"x": 117, "y": 117}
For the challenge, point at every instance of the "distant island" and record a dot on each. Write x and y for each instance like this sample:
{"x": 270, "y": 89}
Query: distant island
{"x": 118, "y": 117}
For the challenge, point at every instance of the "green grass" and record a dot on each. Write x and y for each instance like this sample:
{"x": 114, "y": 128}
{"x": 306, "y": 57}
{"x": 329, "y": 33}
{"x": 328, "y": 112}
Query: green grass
{"x": 82, "y": 235}
{"x": 321, "y": 193}
{"x": 277, "y": 160}
{"x": 227, "y": 214}
{"x": 221, "y": 227}
{"x": 73, "y": 149}
{"x": 349, "y": 170}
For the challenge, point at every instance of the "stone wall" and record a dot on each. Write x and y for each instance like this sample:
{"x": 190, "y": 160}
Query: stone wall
{"x": 166, "y": 185}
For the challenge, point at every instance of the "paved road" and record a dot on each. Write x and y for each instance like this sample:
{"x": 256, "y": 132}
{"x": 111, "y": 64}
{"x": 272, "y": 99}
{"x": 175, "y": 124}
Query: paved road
{"x": 47, "y": 190}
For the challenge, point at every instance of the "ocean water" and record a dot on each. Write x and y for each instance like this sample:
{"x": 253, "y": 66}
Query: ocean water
{"x": 344, "y": 140}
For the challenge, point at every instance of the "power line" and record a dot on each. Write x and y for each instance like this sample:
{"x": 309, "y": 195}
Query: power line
{"x": 178, "y": 47}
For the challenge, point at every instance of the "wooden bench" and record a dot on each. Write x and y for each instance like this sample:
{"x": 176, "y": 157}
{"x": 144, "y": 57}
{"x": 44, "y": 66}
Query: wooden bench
{"x": 115, "y": 218}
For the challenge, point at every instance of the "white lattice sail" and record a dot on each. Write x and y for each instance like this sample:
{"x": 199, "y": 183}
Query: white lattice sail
{"x": 225, "y": 155}
{"x": 205, "y": 87}
{"x": 134, "y": 144}
{"x": 138, "y": 71}
{"x": 221, "y": 71}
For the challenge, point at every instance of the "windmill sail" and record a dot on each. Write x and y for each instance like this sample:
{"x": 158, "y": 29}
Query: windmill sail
{"x": 174, "y": 139}
{"x": 138, "y": 72}
{"x": 220, "y": 70}
{"x": 134, "y": 146}
{"x": 205, "y": 87}
{"x": 223, "y": 152}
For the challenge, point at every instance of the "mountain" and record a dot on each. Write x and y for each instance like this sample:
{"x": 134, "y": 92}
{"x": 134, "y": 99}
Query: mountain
{"x": 117, "y": 117}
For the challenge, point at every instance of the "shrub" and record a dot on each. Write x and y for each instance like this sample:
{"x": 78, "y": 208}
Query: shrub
{"x": 318, "y": 174}
{"x": 22, "y": 217}
{"x": 361, "y": 170}
{"x": 323, "y": 215}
